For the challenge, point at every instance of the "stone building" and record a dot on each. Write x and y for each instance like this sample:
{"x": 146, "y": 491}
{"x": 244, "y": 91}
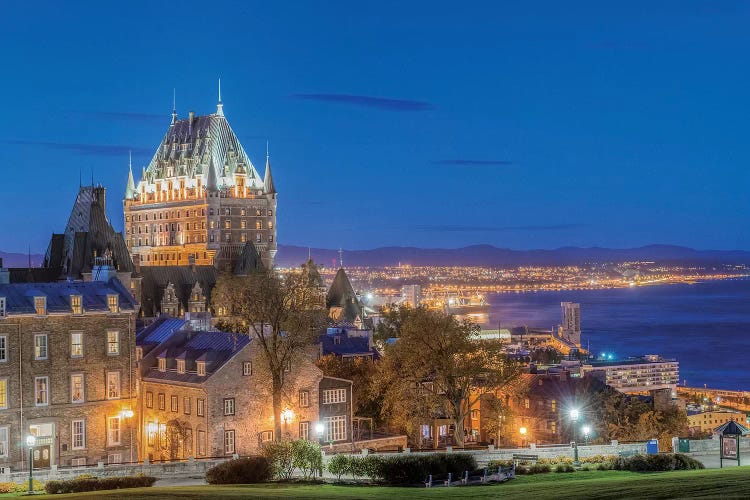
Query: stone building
{"x": 200, "y": 198}
{"x": 66, "y": 371}
{"x": 207, "y": 394}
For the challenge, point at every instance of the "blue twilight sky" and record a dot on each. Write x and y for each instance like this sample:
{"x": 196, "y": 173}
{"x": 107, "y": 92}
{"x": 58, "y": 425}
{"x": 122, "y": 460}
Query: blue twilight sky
{"x": 534, "y": 125}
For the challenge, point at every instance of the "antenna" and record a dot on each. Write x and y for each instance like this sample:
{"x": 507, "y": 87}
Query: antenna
{"x": 174, "y": 105}
{"x": 130, "y": 159}
{"x": 220, "y": 106}
{"x": 267, "y": 150}
{"x": 341, "y": 257}
{"x": 219, "y": 89}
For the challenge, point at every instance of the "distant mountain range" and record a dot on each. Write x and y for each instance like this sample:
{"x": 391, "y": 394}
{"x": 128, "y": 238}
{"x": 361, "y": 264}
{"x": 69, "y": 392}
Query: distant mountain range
{"x": 477, "y": 255}
{"x": 488, "y": 255}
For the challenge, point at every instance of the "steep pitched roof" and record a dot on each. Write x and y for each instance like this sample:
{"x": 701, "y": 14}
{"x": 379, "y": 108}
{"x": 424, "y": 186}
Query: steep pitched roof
{"x": 156, "y": 278}
{"x": 249, "y": 261}
{"x": 268, "y": 178}
{"x": 200, "y": 143}
{"x": 342, "y": 295}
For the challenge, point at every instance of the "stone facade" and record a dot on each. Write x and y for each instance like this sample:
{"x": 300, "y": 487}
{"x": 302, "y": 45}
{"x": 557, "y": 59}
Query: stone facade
{"x": 63, "y": 370}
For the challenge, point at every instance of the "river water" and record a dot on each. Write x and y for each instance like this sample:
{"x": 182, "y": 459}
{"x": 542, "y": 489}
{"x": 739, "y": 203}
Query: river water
{"x": 706, "y": 325}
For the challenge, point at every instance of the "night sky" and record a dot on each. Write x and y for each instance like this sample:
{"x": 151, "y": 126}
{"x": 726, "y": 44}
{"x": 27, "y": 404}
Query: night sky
{"x": 398, "y": 123}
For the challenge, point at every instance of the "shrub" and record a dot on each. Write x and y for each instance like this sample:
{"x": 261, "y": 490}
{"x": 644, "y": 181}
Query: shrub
{"x": 363, "y": 466}
{"x": 280, "y": 454}
{"x": 656, "y": 463}
{"x": 339, "y": 465}
{"x": 412, "y": 469}
{"x": 82, "y": 484}
{"x": 308, "y": 457}
{"x": 7, "y": 487}
{"x": 540, "y": 469}
{"x": 522, "y": 470}
{"x": 565, "y": 468}
{"x": 240, "y": 471}
{"x": 498, "y": 464}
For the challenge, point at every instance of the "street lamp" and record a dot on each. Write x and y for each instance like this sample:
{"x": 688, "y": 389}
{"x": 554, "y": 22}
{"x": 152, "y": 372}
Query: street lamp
{"x": 574, "y": 414}
{"x": 586, "y": 432}
{"x": 128, "y": 414}
{"x": 287, "y": 416}
{"x": 30, "y": 442}
{"x": 523, "y": 432}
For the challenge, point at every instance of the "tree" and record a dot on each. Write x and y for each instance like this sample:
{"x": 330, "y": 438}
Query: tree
{"x": 283, "y": 315}
{"x": 438, "y": 365}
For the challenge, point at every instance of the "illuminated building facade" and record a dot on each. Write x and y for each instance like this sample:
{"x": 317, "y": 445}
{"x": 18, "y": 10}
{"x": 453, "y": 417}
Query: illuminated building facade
{"x": 200, "y": 200}
{"x": 638, "y": 375}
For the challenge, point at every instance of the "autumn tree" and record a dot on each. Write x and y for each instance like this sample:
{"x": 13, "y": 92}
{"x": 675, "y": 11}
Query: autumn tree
{"x": 438, "y": 365}
{"x": 283, "y": 315}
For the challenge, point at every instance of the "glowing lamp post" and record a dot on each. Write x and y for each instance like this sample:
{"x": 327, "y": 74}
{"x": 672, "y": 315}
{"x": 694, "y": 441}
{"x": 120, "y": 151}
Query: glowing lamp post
{"x": 574, "y": 414}
{"x": 586, "y": 432}
{"x": 287, "y": 416}
{"x": 127, "y": 415}
{"x": 30, "y": 442}
{"x": 523, "y": 432}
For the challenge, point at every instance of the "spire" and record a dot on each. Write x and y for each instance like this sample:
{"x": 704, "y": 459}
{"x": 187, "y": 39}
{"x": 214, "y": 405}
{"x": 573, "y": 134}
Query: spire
{"x": 268, "y": 178}
{"x": 220, "y": 106}
{"x": 130, "y": 188}
{"x": 211, "y": 182}
{"x": 174, "y": 105}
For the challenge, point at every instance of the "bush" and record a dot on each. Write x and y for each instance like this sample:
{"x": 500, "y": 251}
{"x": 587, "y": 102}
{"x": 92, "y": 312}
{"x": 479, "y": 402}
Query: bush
{"x": 656, "y": 463}
{"x": 280, "y": 454}
{"x": 499, "y": 464}
{"x": 240, "y": 471}
{"x": 82, "y": 484}
{"x": 308, "y": 457}
{"x": 540, "y": 469}
{"x": 565, "y": 468}
{"x": 339, "y": 465}
{"x": 412, "y": 469}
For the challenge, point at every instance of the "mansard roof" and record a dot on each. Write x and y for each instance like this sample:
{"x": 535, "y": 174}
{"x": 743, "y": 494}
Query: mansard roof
{"x": 196, "y": 144}
{"x": 20, "y": 296}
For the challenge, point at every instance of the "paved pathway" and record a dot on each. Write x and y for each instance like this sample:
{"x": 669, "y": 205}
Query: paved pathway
{"x": 711, "y": 459}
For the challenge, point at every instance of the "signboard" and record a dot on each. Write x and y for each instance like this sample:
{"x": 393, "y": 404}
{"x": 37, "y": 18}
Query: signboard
{"x": 729, "y": 447}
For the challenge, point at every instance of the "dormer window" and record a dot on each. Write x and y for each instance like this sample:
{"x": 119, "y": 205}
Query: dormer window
{"x": 201, "y": 368}
{"x": 162, "y": 364}
{"x": 113, "y": 304}
{"x": 2, "y": 307}
{"x": 40, "y": 305}
{"x": 76, "y": 304}
{"x": 180, "y": 366}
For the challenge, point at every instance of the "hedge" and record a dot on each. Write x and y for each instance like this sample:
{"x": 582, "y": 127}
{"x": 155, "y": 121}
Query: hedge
{"x": 82, "y": 484}
{"x": 657, "y": 463}
{"x": 240, "y": 471}
{"x": 403, "y": 469}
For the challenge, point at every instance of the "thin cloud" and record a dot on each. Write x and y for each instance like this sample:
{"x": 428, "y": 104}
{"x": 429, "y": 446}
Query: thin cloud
{"x": 456, "y": 228}
{"x": 86, "y": 149}
{"x": 365, "y": 101}
{"x": 474, "y": 163}
{"x": 115, "y": 116}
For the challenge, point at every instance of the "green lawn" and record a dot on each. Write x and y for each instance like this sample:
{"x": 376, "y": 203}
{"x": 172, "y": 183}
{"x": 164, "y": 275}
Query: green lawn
{"x": 726, "y": 483}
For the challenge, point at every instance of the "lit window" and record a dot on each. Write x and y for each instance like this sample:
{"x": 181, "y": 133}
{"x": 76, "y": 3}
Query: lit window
{"x": 40, "y": 346}
{"x": 229, "y": 406}
{"x": 76, "y": 344}
{"x": 113, "y": 385}
{"x": 40, "y": 305}
{"x": 304, "y": 399}
{"x": 41, "y": 391}
{"x": 304, "y": 430}
{"x": 228, "y": 442}
{"x": 76, "y": 388}
{"x": 76, "y": 304}
{"x": 201, "y": 368}
{"x": 113, "y": 343}
{"x": 113, "y": 431}
{"x": 78, "y": 434}
{"x": 180, "y": 366}
{"x": 336, "y": 428}
{"x": 162, "y": 364}
{"x": 112, "y": 303}
{"x": 3, "y": 393}
{"x": 334, "y": 396}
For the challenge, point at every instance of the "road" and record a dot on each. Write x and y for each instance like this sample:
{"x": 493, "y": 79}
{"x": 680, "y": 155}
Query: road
{"x": 711, "y": 460}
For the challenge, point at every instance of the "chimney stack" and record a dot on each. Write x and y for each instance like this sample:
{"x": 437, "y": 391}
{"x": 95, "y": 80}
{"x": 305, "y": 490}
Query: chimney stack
{"x": 137, "y": 263}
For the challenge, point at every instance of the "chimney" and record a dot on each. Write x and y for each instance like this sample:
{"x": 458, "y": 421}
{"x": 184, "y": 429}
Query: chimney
{"x": 137, "y": 263}
{"x": 4, "y": 274}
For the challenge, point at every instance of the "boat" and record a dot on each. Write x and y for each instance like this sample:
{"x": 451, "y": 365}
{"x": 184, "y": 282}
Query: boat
{"x": 459, "y": 304}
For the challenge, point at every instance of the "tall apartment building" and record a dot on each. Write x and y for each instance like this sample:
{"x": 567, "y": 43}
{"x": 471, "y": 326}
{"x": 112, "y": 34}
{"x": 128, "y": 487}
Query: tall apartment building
{"x": 67, "y": 371}
{"x": 200, "y": 200}
{"x": 411, "y": 295}
{"x": 571, "y": 322}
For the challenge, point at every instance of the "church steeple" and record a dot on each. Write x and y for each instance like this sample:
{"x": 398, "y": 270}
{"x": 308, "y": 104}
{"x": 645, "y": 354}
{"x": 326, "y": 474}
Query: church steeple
{"x": 268, "y": 178}
{"x": 130, "y": 188}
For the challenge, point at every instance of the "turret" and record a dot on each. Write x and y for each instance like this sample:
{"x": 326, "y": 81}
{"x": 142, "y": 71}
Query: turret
{"x": 130, "y": 188}
{"x": 268, "y": 178}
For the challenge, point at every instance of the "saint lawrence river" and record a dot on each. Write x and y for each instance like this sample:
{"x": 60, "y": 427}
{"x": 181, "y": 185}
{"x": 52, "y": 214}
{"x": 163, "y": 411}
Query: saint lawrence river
{"x": 705, "y": 326}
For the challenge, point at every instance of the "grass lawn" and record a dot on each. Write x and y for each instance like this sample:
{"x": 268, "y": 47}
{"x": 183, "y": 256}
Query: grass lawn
{"x": 726, "y": 483}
